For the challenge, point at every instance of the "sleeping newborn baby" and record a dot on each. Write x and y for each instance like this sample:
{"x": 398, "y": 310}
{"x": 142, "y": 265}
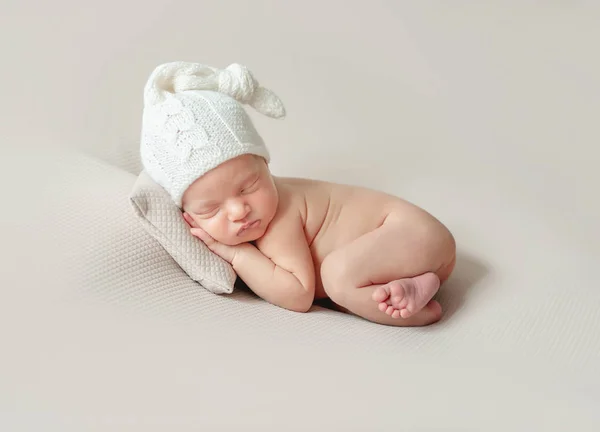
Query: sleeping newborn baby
{"x": 291, "y": 240}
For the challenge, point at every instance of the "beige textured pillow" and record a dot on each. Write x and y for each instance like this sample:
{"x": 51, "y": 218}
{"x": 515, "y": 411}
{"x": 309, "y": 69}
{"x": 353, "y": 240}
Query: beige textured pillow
{"x": 163, "y": 220}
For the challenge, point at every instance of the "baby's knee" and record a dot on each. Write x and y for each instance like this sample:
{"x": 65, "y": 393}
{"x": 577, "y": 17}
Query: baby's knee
{"x": 447, "y": 255}
{"x": 436, "y": 247}
{"x": 449, "y": 245}
{"x": 446, "y": 270}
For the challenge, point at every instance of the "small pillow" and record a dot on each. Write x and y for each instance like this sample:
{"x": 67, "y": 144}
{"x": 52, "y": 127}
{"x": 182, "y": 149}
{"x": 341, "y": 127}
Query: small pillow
{"x": 163, "y": 220}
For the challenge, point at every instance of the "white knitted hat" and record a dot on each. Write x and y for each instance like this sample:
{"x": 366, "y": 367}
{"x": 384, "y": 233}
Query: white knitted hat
{"x": 193, "y": 121}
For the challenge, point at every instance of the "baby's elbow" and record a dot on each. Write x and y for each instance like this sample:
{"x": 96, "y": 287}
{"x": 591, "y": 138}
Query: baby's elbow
{"x": 300, "y": 308}
{"x": 302, "y": 303}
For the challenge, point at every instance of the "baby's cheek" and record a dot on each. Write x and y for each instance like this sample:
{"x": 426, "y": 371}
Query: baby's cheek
{"x": 216, "y": 226}
{"x": 207, "y": 224}
{"x": 264, "y": 200}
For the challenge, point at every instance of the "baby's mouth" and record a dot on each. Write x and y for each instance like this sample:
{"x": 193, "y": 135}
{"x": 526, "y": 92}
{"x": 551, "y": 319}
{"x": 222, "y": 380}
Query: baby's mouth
{"x": 247, "y": 226}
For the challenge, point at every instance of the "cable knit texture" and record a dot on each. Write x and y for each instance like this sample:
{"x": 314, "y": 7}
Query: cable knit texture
{"x": 194, "y": 120}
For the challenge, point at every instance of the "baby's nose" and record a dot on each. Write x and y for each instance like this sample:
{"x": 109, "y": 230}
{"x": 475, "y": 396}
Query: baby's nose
{"x": 238, "y": 210}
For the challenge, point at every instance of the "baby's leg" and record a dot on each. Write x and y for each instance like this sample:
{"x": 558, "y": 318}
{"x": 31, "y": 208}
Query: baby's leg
{"x": 399, "y": 264}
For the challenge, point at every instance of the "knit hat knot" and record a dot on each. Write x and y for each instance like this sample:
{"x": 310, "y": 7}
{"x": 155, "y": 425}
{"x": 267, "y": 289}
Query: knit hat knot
{"x": 237, "y": 81}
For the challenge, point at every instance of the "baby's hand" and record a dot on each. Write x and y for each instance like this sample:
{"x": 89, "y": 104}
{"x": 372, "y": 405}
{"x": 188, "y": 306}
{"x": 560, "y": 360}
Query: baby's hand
{"x": 224, "y": 251}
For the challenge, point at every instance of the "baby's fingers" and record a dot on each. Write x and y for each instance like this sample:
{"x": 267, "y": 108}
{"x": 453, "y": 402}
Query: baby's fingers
{"x": 224, "y": 251}
{"x": 202, "y": 235}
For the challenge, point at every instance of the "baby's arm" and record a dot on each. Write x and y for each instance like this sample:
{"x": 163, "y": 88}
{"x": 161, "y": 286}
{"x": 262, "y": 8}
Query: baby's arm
{"x": 282, "y": 271}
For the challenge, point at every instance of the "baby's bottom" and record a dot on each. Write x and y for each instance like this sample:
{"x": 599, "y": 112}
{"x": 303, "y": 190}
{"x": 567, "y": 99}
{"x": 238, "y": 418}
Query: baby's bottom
{"x": 390, "y": 274}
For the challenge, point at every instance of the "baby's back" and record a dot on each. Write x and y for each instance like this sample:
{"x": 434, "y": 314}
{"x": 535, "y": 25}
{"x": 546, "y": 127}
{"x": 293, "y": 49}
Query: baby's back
{"x": 336, "y": 214}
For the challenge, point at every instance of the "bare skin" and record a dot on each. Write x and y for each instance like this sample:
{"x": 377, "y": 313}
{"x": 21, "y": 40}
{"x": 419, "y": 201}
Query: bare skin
{"x": 296, "y": 240}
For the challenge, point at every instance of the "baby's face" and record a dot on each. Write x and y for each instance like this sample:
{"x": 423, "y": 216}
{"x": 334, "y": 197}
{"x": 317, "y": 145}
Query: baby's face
{"x": 235, "y": 202}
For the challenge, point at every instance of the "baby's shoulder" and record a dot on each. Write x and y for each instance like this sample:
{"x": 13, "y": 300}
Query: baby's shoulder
{"x": 295, "y": 203}
{"x": 303, "y": 192}
{"x": 296, "y": 186}
{"x": 289, "y": 219}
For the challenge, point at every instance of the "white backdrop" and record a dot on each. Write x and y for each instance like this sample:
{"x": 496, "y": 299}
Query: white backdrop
{"x": 484, "y": 113}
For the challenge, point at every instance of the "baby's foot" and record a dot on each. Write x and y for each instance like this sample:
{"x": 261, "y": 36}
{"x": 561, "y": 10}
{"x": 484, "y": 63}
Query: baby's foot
{"x": 405, "y": 297}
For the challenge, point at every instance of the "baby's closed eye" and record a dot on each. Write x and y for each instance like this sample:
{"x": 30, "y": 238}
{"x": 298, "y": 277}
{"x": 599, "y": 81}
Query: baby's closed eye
{"x": 252, "y": 187}
{"x": 207, "y": 211}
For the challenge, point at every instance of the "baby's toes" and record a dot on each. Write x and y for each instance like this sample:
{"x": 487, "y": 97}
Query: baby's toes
{"x": 405, "y": 313}
{"x": 396, "y": 290}
{"x": 380, "y": 294}
{"x": 400, "y": 302}
{"x": 396, "y": 314}
{"x": 390, "y": 310}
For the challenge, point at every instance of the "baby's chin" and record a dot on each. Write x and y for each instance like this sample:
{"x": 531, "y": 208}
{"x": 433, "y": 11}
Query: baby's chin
{"x": 247, "y": 238}
{"x": 243, "y": 239}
